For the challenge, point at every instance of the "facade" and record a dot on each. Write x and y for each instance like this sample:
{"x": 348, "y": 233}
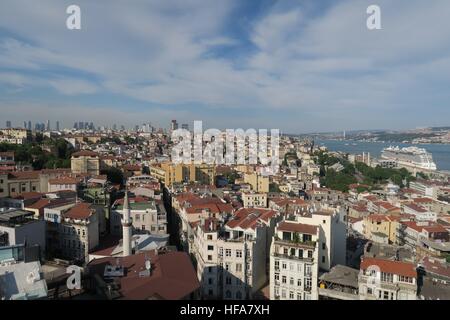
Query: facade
{"x": 170, "y": 173}
{"x": 232, "y": 257}
{"x": 147, "y": 216}
{"x": 381, "y": 279}
{"x": 258, "y": 182}
{"x": 85, "y": 161}
{"x": 294, "y": 262}
{"x": 19, "y": 227}
{"x": 78, "y": 232}
{"x": 254, "y": 200}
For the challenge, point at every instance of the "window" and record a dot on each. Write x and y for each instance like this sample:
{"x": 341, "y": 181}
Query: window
{"x": 291, "y": 281}
{"x": 277, "y": 264}
{"x": 299, "y": 296}
{"x": 209, "y": 257}
{"x": 228, "y": 280}
{"x": 369, "y": 290}
{"x": 228, "y": 252}
{"x": 308, "y": 270}
{"x": 291, "y": 295}
{"x": 405, "y": 279}
{"x": 299, "y": 282}
{"x": 238, "y": 253}
{"x": 227, "y": 266}
{"x": 308, "y": 284}
{"x": 283, "y": 279}
{"x": 292, "y": 251}
{"x": 210, "y": 248}
{"x": 143, "y": 227}
{"x": 323, "y": 245}
{"x": 137, "y": 217}
{"x": 284, "y": 266}
{"x": 210, "y": 292}
{"x": 387, "y": 277}
{"x": 386, "y": 295}
{"x": 277, "y": 276}
{"x": 238, "y": 267}
{"x": 323, "y": 259}
{"x": 13, "y": 189}
{"x": 209, "y": 269}
{"x": 310, "y": 254}
{"x": 285, "y": 251}
{"x": 210, "y": 280}
{"x": 324, "y": 221}
{"x": 300, "y": 253}
{"x": 228, "y": 294}
{"x": 283, "y": 293}
{"x": 220, "y": 252}
{"x": 209, "y": 237}
{"x": 291, "y": 266}
{"x": 238, "y": 295}
{"x": 299, "y": 267}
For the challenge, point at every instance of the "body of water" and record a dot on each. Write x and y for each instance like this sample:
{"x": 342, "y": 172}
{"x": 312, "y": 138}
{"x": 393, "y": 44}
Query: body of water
{"x": 440, "y": 152}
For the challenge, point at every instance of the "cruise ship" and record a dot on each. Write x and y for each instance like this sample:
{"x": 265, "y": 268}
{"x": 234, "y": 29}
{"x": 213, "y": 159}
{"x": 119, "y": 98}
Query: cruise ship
{"x": 414, "y": 157}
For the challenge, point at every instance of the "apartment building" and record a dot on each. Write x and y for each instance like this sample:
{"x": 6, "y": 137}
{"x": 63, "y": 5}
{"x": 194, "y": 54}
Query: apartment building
{"x": 254, "y": 200}
{"x": 380, "y": 228}
{"x": 410, "y": 233}
{"x": 18, "y": 227}
{"x": 15, "y": 135}
{"x": 294, "y": 256}
{"x": 78, "y": 232}
{"x": 147, "y": 216}
{"x": 332, "y": 236}
{"x": 381, "y": 279}
{"x": 170, "y": 173}
{"x": 232, "y": 256}
{"x": 258, "y": 182}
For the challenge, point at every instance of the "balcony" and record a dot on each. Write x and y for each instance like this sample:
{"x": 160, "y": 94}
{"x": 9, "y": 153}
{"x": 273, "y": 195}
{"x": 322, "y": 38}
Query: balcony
{"x": 292, "y": 257}
{"x": 297, "y": 244}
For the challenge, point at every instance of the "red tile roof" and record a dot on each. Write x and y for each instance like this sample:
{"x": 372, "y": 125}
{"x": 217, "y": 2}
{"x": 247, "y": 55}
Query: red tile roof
{"x": 246, "y": 218}
{"x": 395, "y": 267}
{"x": 173, "y": 277}
{"x": 81, "y": 210}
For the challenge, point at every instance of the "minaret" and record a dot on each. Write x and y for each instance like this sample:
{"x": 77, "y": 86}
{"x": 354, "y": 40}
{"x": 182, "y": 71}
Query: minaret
{"x": 126, "y": 226}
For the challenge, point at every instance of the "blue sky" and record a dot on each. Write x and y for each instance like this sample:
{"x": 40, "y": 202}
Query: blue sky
{"x": 300, "y": 66}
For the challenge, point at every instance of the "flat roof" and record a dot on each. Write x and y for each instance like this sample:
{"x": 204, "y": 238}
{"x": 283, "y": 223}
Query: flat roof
{"x": 11, "y": 214}
{"x": 342, "y": 275}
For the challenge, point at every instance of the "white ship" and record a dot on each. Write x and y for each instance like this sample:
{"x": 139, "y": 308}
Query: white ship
{"x": 413, "y": 157}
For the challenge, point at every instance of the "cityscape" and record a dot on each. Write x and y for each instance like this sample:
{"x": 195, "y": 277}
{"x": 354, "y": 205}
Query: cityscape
{"x": 110, "y": 191}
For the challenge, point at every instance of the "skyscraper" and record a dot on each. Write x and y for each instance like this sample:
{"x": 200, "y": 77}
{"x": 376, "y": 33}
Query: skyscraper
{"x": 173, "y": 125}
{"x": 47, "y": 127}
{"x": 185, "y": 126}
{"x": 24, "y": 124}
{"x": 8, "y": 124}
{"x": 29, "y": 125}
{"x": 57, "y": 125}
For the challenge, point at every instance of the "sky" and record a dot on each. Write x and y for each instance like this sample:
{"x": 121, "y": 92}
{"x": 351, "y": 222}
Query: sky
{"x": 298, "y": 66}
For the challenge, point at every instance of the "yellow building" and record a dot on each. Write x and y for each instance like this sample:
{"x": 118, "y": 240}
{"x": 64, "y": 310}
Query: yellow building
{"x": 258, "y": 182}
{"x": 379, "y": 226}
{"x": 169, "y": 173}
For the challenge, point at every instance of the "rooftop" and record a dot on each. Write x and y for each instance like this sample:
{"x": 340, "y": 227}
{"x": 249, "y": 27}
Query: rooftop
{"x": 172, "y": 276}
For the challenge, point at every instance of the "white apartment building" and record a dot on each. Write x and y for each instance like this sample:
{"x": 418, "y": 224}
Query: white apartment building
{"x": 232, "y": 257}
{"x": 147, "y": 215}
{"x": 78, "y": 232}
{"x": 294, "y": 262}
{"x": 332, "y": 236}
{"x": 381, "y": 279}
